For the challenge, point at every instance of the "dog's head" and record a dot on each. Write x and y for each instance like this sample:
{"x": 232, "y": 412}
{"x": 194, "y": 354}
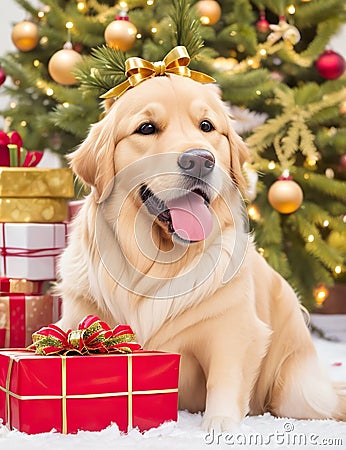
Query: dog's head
{"x": 177, "y": 130}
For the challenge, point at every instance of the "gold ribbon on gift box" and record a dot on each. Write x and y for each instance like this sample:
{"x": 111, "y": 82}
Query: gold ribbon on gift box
{"x": 65, "y": 397}
{"x": 36, "y": 182}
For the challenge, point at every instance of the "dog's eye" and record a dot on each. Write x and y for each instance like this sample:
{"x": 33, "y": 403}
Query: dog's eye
{"x": 206, "y": 126}
{"x": 146, "y": 128}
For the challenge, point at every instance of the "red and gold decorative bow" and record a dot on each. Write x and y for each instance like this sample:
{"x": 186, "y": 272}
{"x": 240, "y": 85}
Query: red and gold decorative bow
{"x": 92, "y": 336}
{"x": 138, "y": 70}
{"x": 12, "y": 154}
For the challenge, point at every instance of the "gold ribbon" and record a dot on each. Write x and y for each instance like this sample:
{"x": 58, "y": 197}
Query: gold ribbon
{"x": 138, "y": 70}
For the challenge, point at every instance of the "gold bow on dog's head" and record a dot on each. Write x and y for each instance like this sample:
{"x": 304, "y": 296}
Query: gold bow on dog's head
{"x": 138, "y": 70}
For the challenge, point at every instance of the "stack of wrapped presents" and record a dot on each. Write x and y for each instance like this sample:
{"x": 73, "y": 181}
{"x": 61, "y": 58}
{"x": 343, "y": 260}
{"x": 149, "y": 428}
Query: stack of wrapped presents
{"x": 33, "y": 232}
{"x": 41, "y": 387}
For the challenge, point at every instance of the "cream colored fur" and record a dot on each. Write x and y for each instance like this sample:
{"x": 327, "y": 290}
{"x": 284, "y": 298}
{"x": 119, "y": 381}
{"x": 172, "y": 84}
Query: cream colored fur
{"x": 237, "y": 323}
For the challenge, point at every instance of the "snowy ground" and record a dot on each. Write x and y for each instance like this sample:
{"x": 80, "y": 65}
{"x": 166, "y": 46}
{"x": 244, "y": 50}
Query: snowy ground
{"x": 265, "y": 432}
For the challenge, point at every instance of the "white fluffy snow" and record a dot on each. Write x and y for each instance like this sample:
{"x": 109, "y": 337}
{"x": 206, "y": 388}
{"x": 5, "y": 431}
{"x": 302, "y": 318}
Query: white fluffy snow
{"x": 265, "y": 432}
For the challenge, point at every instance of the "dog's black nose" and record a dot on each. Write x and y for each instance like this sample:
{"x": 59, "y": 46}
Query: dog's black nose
{"x": 196, "y": 162}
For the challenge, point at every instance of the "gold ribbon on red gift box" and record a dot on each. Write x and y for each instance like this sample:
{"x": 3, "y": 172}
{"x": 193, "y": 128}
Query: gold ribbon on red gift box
{"x": 65, "y": 397}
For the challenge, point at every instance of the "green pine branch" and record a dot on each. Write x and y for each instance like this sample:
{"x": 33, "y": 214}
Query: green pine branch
{"x": 319, "y": 11}
{"x": 320, "y": 184}
{"x": 103, "y": 70}
{"x": 186, "y": 27}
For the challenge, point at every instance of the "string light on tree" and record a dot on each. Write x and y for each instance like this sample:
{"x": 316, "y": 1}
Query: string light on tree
{"x": 62, "y": 63}
{"x": 320, "y": 293}
{"x": 81, "y": 6}
{"x": 41, "y": 14}
{"x": 338, "y": 270}
{"x": 254, "y": 213}
{"x": 291, "y": 9}
{"x": 329, "y": 172}
{"x": 330, "y": 65}
{"x": 209, "y": 11}
{"x": 285, "y": 195}
{"x": 25, "y": 35}
{"x": 121, "y": 33}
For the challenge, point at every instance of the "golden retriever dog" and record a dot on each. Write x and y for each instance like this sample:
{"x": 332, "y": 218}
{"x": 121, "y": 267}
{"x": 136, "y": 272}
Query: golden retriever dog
{"x": 161, "y": 243}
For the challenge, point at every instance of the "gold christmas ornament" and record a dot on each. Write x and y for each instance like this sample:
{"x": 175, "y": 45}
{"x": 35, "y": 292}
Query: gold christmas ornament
{"x": 61, "y": 65}
{"x": 285, "y": 195}
{"x": 25, "y": 35}
{"x": 120, "y": 34}
{"x": 209, "y": 11}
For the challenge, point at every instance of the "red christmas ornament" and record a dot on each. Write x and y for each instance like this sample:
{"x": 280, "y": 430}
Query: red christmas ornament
{"x": 262, "y": 25}
{"x": 330, "y": 65}
{"x": 343, "y": 161}
{"x": 78, "y": 47}
{"x": 2, "y": 76}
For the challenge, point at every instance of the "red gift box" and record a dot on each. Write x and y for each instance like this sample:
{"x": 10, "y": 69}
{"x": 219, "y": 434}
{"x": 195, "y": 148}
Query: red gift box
{"x": 71, "y": 393}
{"x": 21, "y": 315}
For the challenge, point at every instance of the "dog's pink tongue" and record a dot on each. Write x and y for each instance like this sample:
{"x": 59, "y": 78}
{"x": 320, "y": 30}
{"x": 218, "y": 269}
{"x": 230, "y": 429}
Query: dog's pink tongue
{"x": 191, "y": 218}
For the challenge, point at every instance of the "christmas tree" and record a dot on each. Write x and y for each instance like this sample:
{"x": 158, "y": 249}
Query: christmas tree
{"x": 286, "y": 90}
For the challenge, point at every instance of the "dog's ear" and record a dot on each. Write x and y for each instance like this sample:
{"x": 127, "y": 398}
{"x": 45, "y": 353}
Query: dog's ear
{"x": 239, "y": 151}
{"x": 93, "y": 161}
{"x": 239, "y": 155}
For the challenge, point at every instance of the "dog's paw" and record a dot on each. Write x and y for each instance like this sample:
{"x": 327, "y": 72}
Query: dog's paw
{"x": 219, "y": 424}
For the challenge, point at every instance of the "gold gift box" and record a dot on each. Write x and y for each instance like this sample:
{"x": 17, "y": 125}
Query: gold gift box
{"x": 37, "y": 210}
{"x": 19, "y": 286}
{"x": 36, "y": 182}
